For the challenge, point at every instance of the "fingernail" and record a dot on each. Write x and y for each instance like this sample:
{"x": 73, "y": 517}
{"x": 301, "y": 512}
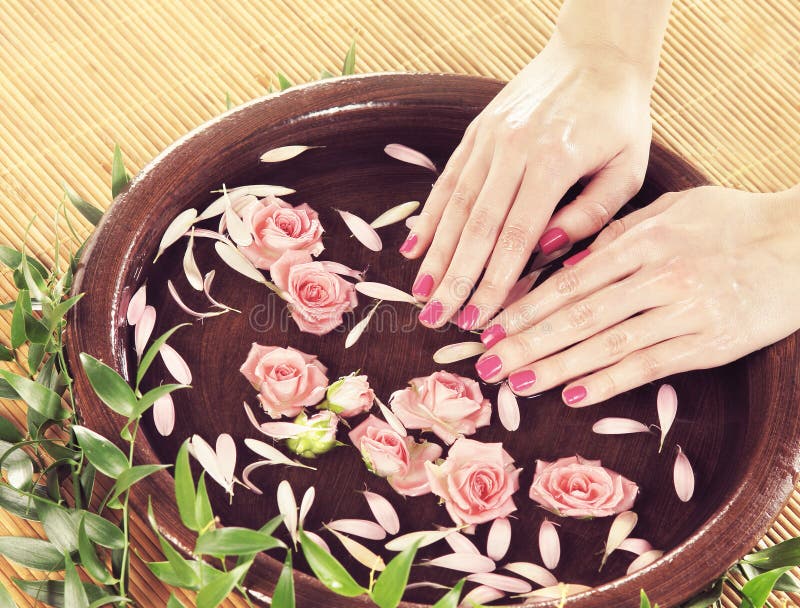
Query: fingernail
{"x": 492, "y": 335}
{"x": 431, "y": 313}
{"x": 574, "y": 394}
{"x": 522, "y": 380}
{"x": 409, "y": 243}
{"x": 422, "y": 286}
{"x": 574, "y": 259}
{"x": 488, "y": 366}
{"x": 468, "y": 317}
{"x": 553, "y": 240}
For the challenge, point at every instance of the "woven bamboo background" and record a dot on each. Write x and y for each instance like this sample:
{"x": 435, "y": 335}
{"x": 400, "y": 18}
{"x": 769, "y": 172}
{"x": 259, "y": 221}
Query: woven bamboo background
{"x": 78, "y": 75}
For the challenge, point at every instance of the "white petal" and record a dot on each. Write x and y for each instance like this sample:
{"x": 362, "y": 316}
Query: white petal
{"x": 644, "y": 560}
{"x": 396, "y": 214}
{"x": 621, "y": 528}
{"x": 176, "y": 229}
{"x": 176, "y": 365}
{"x": 463, "y": 562}
{"x": 683, "y": 476}
{"x": 383, "y": 511}
{"x": 619, "y": 426}
{"x": 501, "y": 582}
{"x": 549, "y": 544}
{"x": 533, "y": 572}
{"x": 305, "y": 504}
{"x": 380, "y": 291}
{"x": 144, "y": 329}
{"x": 499, "y": 539}
{"x": 364, "y": 233}
{"x": 667, "y": 406}
{"x": 425, "y": 538}
{"x": 287, "y": 506}
{"x": 409, "y": 155}
{"x": 507, "y": 408}
{"x": 164, "y": 415}
{"x": 233, "y": 258}
{"x": 458, "y": 352}
{"x": 190, "y": 269}
{"x": 362, "y": 555}
{"x": 277, "y": 155}
{"x": 136, "y": 305}
{"x": 363, "y": 528}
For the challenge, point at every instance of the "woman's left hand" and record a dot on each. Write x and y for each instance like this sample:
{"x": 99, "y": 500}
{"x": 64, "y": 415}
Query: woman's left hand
{"x": 695, "y": 280}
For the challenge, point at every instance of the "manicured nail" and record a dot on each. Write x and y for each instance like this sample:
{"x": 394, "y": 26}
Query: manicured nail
{"x": 431, "y": 313}
{"x": 423, "y": 286}
{"x": 409, "y": 243}
{"x": 492, "y": 335}
{"x": 488, "y": 366}
{"x": 468, "y": 318}
{"x": 574, "y": 259}
{"x": 522, "y": 380}
{"x": 574, "y": 394}
{"x": 553, "y": 240}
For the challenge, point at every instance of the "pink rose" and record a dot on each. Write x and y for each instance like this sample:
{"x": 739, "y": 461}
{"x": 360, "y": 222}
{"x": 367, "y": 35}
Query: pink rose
{"x": 276, "y": 227}
{"x": 447, "y": 404}
{"x": 317, "y": 297}
{"x": 286, "y": 379}
{"x": 349, "y": 396}
{"x": 476, "y": 482}
{"x": 575, "y": 487}
{"x": 401, "y": 460}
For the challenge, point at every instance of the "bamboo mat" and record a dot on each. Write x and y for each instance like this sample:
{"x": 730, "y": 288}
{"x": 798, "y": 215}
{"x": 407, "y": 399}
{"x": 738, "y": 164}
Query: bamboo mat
{"x": 78, "y": 75}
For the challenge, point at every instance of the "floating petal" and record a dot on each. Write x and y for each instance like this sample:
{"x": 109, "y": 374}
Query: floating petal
{"x": 391, "y": 419}
{"x": 176, "y": 365}
{"x": 189, "y": 311}
{"x": 281, "y": 430}
{"x": 507, "y": 408}
{"x": 363, "y": 528}
{"x": 549, "y": 544}
{"x": 176, "y": 229}
{"x": 683, "y": 476}
{"x": 458, "y": 352}
{"x": 499, "y": 539}
{"x": 621, "y": 528}
{"x": 240, "y": 234}
{"x": 226, "y": 457}
{"x": 318, "y": 540}
{"x": 667, "y": 406}
{"x": 136, "y": 305}
{"x": 619, "y": 426}
{"x": 305, "y": 504}
{"x": 425, "y": 538}
{"x": 395, "y": 214}
{"x": 361, "y": 554}
{"x": 277, "y": 155}
{"x": 558, "y": 591}
{"x": 164, "y": 415}
{"x": 287, "y": 506}
{"x": 355, "y": 334}
{"x": 273, "y": 455}
{"x": 409, "y": 155}
{"x": 337, "y": 268}
{"x": 483, "y": 594}
{"x": 144, "y": 329}
{"x": 233, "y": 258}
{"x": 364, "y": 233}
{"x": 637, "y": 546}
{"x": 644, "y": 560}
{"x": 461, "y": 544}
{"x": 207, "y": 281}
{"x": 533, "y": 572}
{"x": 190, "y": 269}
{"x": 379, "y": 291}
{"x": 463, "y": 562}
{"x": 501, "y": 582}
{"x": 383, "y": 511}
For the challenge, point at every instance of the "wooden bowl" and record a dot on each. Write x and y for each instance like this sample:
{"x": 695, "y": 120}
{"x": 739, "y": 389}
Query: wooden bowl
{"x": 736, "y": 423}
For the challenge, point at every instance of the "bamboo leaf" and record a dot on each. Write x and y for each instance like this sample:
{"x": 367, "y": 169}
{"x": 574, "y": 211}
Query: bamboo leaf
{"x": 185, "y": 495}
{"x": 52, "y": 592}
{"x": 202, "y": 505}
{"x": 102, "y": 532}
{"x": 31, "y": 553}
{"x": 783, "y": 554}
{"x": 234, "y": 541}
{"x": 119, "y": 176}
{"x": 391, "y": 584}
{"x": 149, "y": 356}
{"x": 89, "y": 560}
{"x": 349, "y": 66}
{"x": 112, "y": 388}
{"x": 38, "y": 397}
{"x": 284, "y": 82}
{"x": 328, "y": 569}
{"x": 59, "y": 524}
{"x": 104, "y": 455}
{"x": 132, "y": 476}
{"x": 756, "y": 591}
{"x": 22, "y": 304}
{"x": 212, "y": 594}
{"x": 707, "y": 598}
{"x": 452, "y": 598}
{"x": 74, "y": 593}
{"x": 92, "y": 214}
{"x": 284, "y": 589}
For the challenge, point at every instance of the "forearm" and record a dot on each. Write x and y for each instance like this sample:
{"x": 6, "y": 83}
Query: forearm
{"x": 631, "y": 31}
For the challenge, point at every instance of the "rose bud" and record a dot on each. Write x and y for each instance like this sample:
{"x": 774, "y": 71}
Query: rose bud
{"x": 348, "y": 396}
{"x": 319, "y": 436}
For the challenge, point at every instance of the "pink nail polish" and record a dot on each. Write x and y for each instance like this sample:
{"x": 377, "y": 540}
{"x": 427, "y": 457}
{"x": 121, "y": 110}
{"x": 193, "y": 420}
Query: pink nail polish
{"x": 409, "y": 243}
{"x": 468, "y": 318}
{"x": 423, "y": 286}
{"x": 574, "y": 394}
{"x": 488, "y": 366}
{"x": 492, "y": 335}
{"x": 521, "y": 380}
{"x": 574, "y": 259}
{"x": 553, "y": 240}
{"x": 431, "y": 313}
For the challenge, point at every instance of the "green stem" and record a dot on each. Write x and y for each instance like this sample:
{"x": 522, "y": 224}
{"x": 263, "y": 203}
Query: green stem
{"x": 126, "y": 519}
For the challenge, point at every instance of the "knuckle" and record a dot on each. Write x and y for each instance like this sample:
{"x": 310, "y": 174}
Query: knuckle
{"x": 514, "y": 239}
{"x": 461, "y": 198}
{"x": 581, "y": 315}
{"x": 480, "y": 224}
{"x": 558, "y": 369}
{"x": 455, "y": 287}
{"x": 614, "y": 230}
{"x": 680, "y": 273}
{"x": 524, "y": 345}
{"x": 646, "y": 367}
{"x": 567, "y": 282}
{"x": 614, "y": 343}
{"x": 596, "y": 214}
{"x": 607, "y": 384}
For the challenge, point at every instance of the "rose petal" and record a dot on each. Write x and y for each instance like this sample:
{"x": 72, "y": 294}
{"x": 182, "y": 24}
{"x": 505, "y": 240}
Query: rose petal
{"x": 258, "y": 190}
{"x": 363, "y": 528}
{"x": 396, "y": 214}
{"x": 337, "y": 268}
{"x": 164, "y": 415}
{"x": 277, "y": 155}
{"x": 182, "y": 305}
{"x": 226, "y": 456}
{"x": 361, "y": 554}
{"x": 379, "y": 291}
{"x": 425, "y": 538}
{"x": 635, "y": 545}
{"x": 507, "y": 407}
{"x": 409, "y": 155}
{"x": 667, "y": 406}
{"x": 136, "y": 305}
{"x": 549, "y": 544}
{"x": 521, "y": 287}
{"x": 458, "y": 352}
{"x": 461, "y": 544}
{"x": 621, "y": 528}
{"x": 287, "y": 506}
{"x": 305, "y": 504}
{"x": 499, "y": 539}
{"x": 644, "y": 560}
{"x": 483, "y": 594}
{"x": 354, "y": 334}
{"x": 683, "y": 476}
{"x": 240, "y": 234}
{"x": 463, "y": 562}
{"x": 176, "y": 229}
{"x": 190, "y": 269}
{"x": 383, "y": 511}
{"x": 533, "y": 572}
{"x": 144, "y": 329}
{"x": 501, "y": 582}
{"x": 281, "y": 430}
{"x": 273, "y": 455}
{"x": 233, "y": 258}
{"x": 619, "y": 426}
{"x": 175, "y": 364}
{"x": 364, "y": 233}
{"x": 391, "y": 419}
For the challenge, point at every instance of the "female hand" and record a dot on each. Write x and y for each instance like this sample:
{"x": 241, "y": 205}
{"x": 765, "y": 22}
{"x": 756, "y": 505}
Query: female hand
{"x": 695, "y": 280}
{"x": 579, "y": 109}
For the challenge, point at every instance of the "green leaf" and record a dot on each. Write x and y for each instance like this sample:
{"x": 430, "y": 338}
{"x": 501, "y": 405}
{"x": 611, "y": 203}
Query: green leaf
{"x": 17, "y": 464}
{"x": 59, "y": 525}
{"x": 52, "y": 592}
{"x": 119, "y": 176}
{"x": 33, "y": 279}
{"x": 644, "y": 601}
{"x": 150, "y": 353}
{"x": 6, "y": 354}
{"x": 110, "y": 599}
{"x": 74, "y": 593}
{"x": 31, "y": 553}
{"x": 9, "y": 431}
{"x": 13, "y": 259}
{"x": 325, "y": 74}
{"x": 149, "y": 398}
{"x": 18, "y": 335}
{"x": 786, "y": 553}
{"x": 86, "y": 480}
{"x": 284, "y": 82}
{"x": 185, "y": 494}
{"x": 89, "y": 560}
{"x": 452, "y": 598}
{"x": 6, "y": 601}
{"x": 36, "y": 352}
{"x": 202, "y": 571}
{"x": 283, "y": 597}
{"x": 57, "y": 313}
{"x": 38, "y": 397}
{"x": 102, "y": 531}
{"x": 391, "y": 584}
{"x": 109, "y": 386}
{"x": 174, "y": 602}
{"x": 92, "y": 214}
{"x": 756, "y": 591}
{"x": 328, "y": 569}
{"x": 181, "y": 567}
{"x": 212, "y": 594}
{"x": 18, "y": 503}
{"x": 132, "y": 476}
{"x": 234, "y": 541}
{"x": 228, "y": 102}
{"x": 104, "y": 455}
{"x": 708, "y": 597}
{"x": 349, "y": 66}
{"x": 203, "y": 512}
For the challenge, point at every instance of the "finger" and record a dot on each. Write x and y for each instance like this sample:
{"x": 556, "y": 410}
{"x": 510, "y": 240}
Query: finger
{"x": 603, "y": 349}
{"x": 622, "y": 225}
{"x": 537, "y": 197}
{"x": 421, "y": 236}
{"x": 453, "y": 219}
{"x": 640, "y": 367}
{"x": 476, "y": 241}
{"x": 574, "y": 323}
